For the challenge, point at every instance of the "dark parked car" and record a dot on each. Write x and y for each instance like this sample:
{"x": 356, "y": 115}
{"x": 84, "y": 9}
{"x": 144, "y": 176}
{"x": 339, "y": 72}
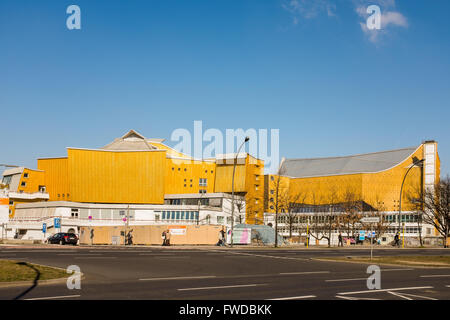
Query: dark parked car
{"x": 63, "y": 238}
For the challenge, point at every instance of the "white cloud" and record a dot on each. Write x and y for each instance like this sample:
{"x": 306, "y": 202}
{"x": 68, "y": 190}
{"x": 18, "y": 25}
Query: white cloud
{"x": 309, "y": 9}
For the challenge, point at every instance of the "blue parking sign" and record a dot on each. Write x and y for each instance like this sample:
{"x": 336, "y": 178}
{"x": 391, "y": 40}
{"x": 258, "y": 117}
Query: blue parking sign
{"x": 362, "y": 235}
{"x": 44, "y": 227}
{"x": 57, "y": 223}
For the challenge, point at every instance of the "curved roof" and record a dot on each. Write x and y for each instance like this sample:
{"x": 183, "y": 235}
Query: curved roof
{"x": 361, "y": 163}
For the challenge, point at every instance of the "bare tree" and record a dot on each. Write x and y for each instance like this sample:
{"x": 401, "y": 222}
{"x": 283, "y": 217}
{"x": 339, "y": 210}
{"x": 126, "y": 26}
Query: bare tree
{"x": 279, "y": 187}
{"x": 436, "y": 207}
{"x": 351, "y": 206}
{"x": 325, "y": 218}
{"x": 290, "y": 202}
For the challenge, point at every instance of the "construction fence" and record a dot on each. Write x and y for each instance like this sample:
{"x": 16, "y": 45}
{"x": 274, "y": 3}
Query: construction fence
{"x": 151, "y": 235}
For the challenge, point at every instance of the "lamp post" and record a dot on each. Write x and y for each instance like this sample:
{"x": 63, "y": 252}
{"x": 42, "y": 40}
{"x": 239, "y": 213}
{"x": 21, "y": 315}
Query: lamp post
{"x": 232, "y": 190}
{"x": 415, "y": 163}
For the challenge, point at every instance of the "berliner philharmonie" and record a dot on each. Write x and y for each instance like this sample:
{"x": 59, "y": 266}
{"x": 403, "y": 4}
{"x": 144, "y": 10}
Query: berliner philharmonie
{"x": 141, "y": 181}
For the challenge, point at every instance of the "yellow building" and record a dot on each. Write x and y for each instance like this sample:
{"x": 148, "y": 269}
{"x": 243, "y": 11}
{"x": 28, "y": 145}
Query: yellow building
{"x": 135, "y": 170}
{"x": 374, "y": 179}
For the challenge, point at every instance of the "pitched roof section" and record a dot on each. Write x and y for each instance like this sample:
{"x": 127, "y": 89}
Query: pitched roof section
{"x": 132, "y": 141}
{"x": 361, "y": 163}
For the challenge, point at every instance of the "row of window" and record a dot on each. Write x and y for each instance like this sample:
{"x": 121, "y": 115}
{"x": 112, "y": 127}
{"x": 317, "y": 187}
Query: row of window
{"x": 178, "y": 215}
{"x": 179, "y": 169}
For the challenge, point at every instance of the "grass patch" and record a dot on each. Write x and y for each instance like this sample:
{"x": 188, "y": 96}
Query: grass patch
{"x": 23, "y": 271}
{"x": 426, "y": 261}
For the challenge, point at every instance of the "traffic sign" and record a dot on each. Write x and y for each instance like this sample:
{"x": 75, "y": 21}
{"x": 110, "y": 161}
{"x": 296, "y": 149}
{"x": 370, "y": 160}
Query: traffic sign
{"x": 44, "y": 227}
{"x": 362, "y": 235}
{"x": 370, "y": 220}
{"x": 57, "y": 223}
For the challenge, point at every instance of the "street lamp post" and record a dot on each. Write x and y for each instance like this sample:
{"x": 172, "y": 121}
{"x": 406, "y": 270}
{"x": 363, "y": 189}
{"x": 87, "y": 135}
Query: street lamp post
{"x": 232, "y": 190}
{"x": 415, "y": 163}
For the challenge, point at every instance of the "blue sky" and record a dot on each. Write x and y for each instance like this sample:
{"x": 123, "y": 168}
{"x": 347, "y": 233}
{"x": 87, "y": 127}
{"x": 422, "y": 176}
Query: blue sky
{"x": 308, "y": 68}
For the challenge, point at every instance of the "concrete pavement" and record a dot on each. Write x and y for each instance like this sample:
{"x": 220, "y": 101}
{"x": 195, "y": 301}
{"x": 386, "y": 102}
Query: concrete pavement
{"x": 198, "y": 273}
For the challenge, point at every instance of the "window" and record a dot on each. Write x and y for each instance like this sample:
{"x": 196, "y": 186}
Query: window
{"x": 25, "y": 175}
{"x": 23, "y": 184}
{"x": 164, "y": 215}
{"x": 11, "y": 202}
{"x": 203, "y": 182}
{"x": 156, "y": 217}
{"x": 178, "y": 215}
{"x": 74, "y": 213}
{"x": 219, "y": 219}
{"x": 272, "y": 192}
{"x": 7, "y": 180}
{"x": 202, "y": 191}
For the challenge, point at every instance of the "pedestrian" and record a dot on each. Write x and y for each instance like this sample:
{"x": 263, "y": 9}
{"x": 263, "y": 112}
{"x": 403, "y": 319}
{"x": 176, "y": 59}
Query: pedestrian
{"x": 396, "y": 240}
{"x": 163, "y": 236}
{"x": 341, "y": 243}
{"x": 130, "y": 237}
{"x": 223, "y": 234}
{"x": 167, "y": 237}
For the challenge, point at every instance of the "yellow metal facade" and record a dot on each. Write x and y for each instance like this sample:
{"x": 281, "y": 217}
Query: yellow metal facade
{"x": 56, "y": 178}
{"x": 379, "y": 189}
{"x": 116, "y": 177}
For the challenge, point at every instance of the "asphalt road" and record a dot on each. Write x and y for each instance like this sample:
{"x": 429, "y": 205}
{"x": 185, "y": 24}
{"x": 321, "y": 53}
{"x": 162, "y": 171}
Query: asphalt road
{"x": 227, "y": 274}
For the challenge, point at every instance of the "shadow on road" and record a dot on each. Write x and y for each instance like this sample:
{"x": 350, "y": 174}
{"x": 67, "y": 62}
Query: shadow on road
{"x": 35, "y": 282}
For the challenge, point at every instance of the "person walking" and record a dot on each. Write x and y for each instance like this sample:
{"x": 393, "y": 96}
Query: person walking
{"x": 163, "y": 236}
{"x": 223, "y": 233}
{"x": 397, "y": 240}
{"x": 167, "y": 237}
{"x": 341, "y": 243}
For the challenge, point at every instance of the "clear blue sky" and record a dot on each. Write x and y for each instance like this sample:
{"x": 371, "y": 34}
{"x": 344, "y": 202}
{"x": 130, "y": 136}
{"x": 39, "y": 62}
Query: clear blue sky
{"x": 308, "y": 68}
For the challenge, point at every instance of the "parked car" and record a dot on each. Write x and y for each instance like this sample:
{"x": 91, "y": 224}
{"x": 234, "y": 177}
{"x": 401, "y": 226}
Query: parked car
{"x": 63, "y": 238}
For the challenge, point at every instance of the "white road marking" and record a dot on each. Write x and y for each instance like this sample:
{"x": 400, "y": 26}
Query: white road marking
{"x": 384, "y": 290}
{"x": 386, "y": 270}
{"x": 78, "y": 253}
{"x": 294, "y": 298}
{"x": 416, "y": 296}
{"x": 95, "y": 257}
{"x": 342, "y": 280}
{"x": 222, "y": 287}
{"x": 59, "y": 297}
{"x": 178, "y": 278}
{"x": 156, "y": 254}
{"x": 435, "y": 276}
{"x": 353, "y": 298}
{"x": 311, "y": 272}
{"x": 262, "y": 255}
{"x": 399, "y": 295}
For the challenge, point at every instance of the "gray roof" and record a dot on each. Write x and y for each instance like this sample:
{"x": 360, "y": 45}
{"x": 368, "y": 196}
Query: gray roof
{"x": 361, "y": 163}
{"x": 132, "y": 141}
